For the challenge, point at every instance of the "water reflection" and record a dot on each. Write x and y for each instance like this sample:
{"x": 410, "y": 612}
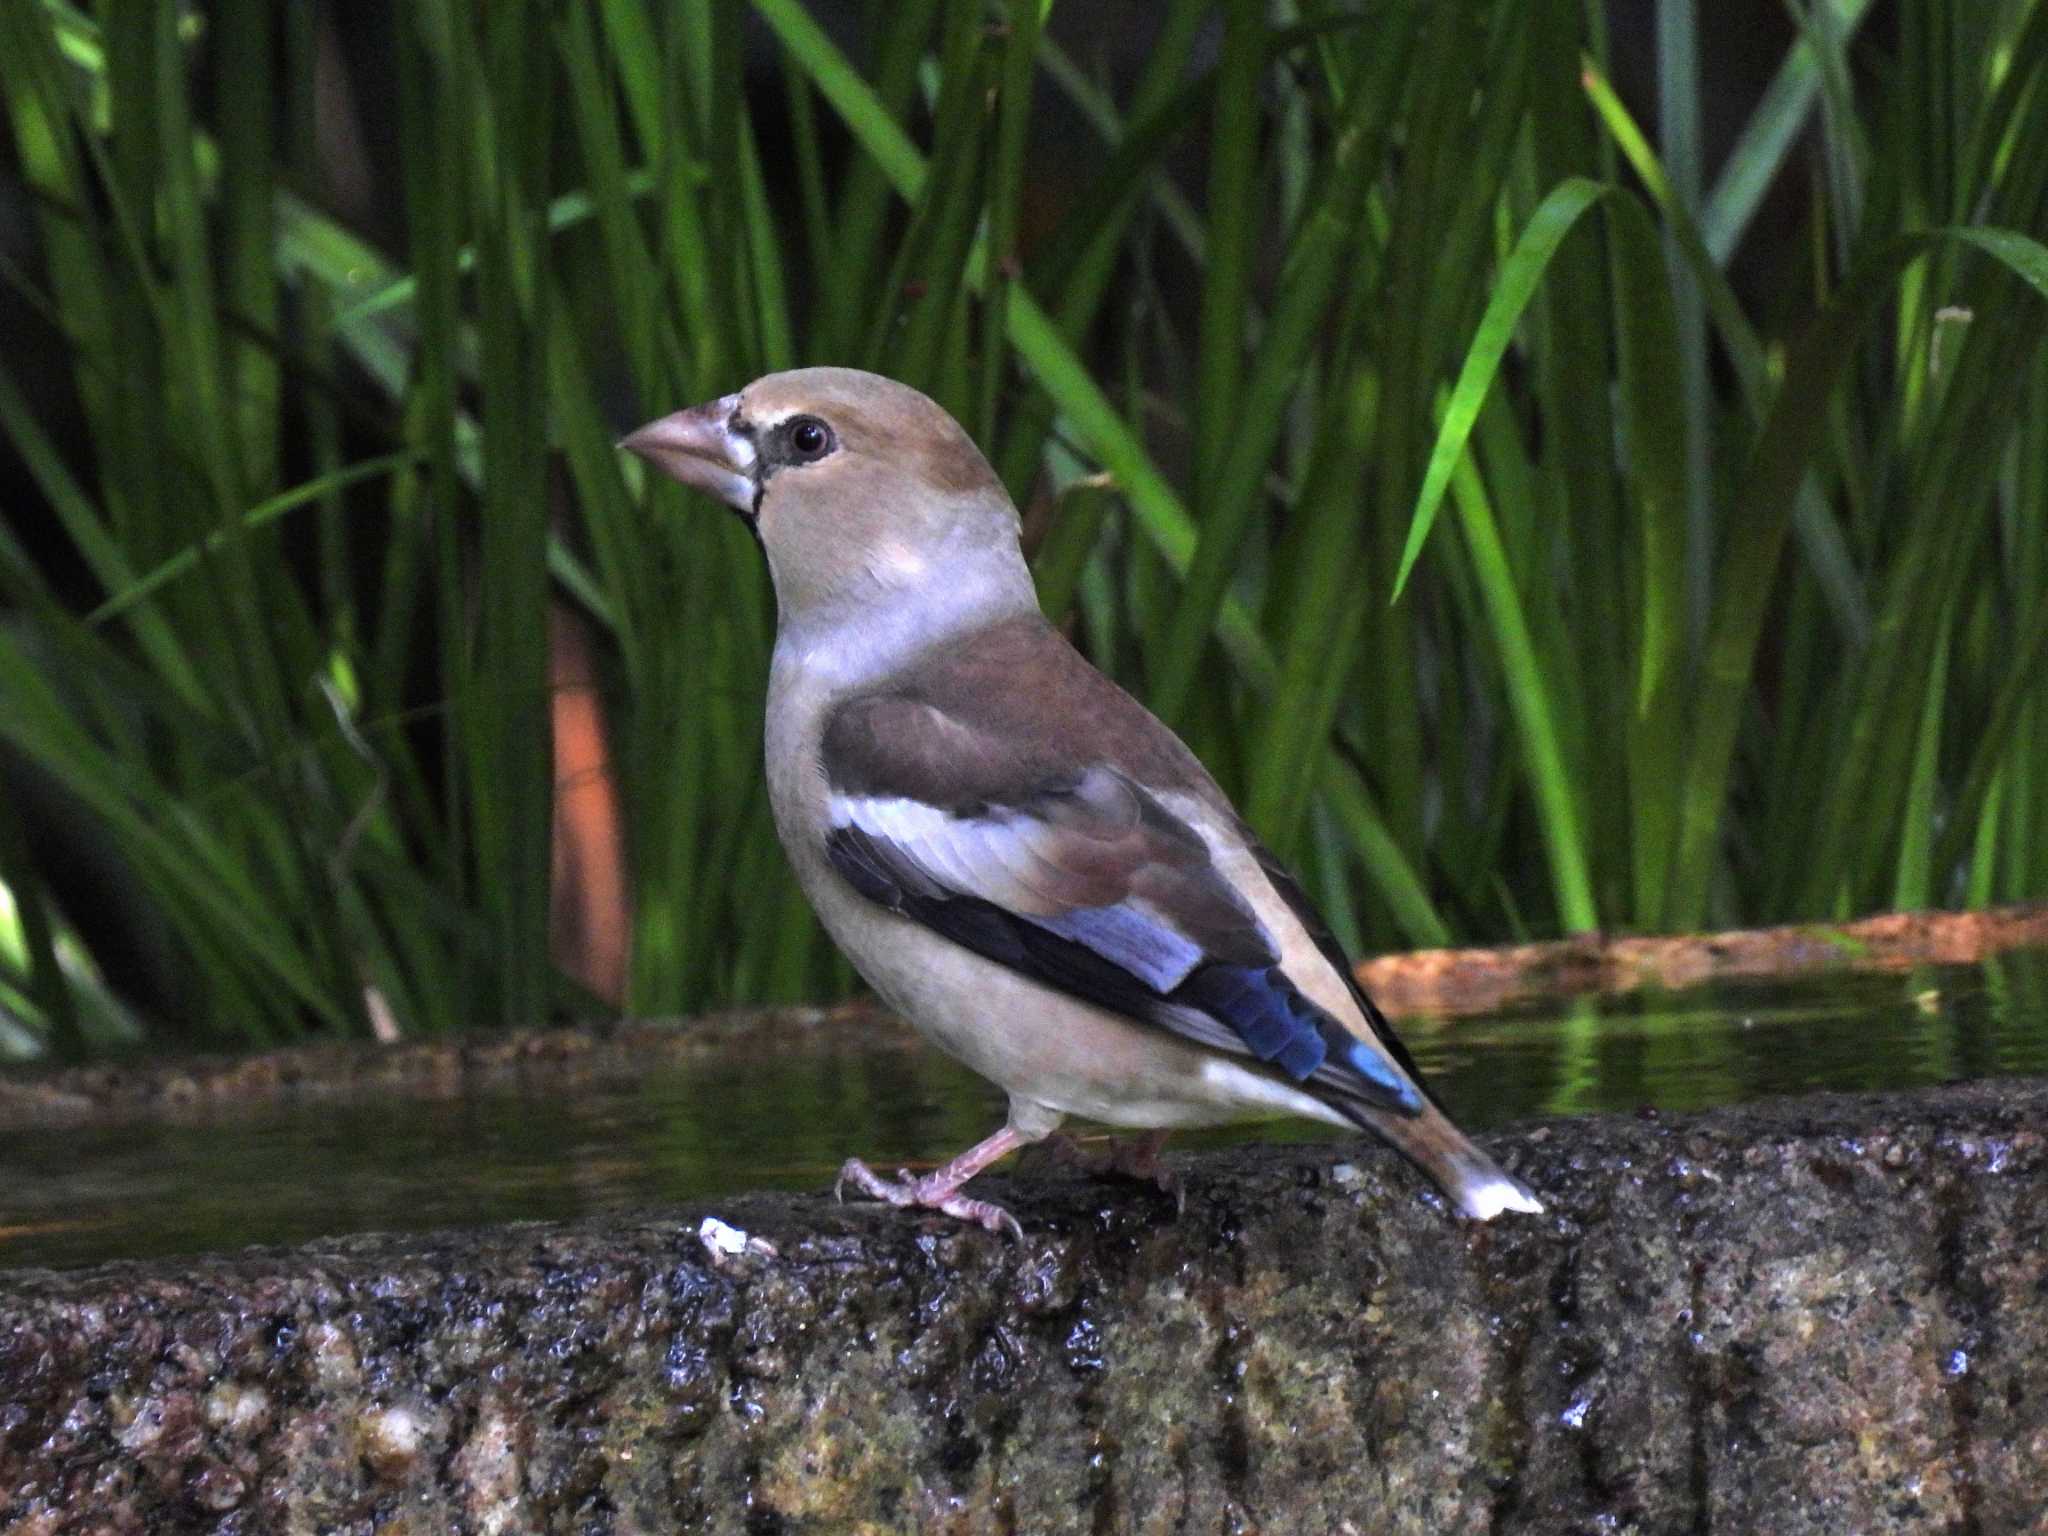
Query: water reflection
{"x": 785, "y": 1118}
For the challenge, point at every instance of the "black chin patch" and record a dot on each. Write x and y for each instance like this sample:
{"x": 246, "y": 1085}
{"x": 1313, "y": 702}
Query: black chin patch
{"x": 752, "y": 520}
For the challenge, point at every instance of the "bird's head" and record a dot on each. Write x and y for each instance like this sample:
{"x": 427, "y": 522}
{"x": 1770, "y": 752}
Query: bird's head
{"x": 861, "y": 490}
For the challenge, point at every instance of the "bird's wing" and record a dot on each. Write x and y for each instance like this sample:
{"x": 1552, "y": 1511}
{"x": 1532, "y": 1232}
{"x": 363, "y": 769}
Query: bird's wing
{"x": 1074, "y": 874}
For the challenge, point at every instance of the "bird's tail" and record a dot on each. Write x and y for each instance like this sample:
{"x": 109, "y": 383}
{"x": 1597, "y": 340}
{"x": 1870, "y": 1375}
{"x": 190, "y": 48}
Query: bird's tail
{"x": 1479, "y": 1186}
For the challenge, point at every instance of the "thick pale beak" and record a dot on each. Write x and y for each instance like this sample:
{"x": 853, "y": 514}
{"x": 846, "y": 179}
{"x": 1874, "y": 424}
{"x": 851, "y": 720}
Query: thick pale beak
{"x": 700, "y": 448}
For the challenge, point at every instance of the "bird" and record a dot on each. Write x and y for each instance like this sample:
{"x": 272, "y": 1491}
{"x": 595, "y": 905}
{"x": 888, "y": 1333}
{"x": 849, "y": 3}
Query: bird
{"x": 1016, "y": 855}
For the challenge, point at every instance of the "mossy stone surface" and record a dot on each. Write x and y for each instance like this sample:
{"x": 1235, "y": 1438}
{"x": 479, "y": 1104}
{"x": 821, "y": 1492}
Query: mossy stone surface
{"x": 1816, "y": 1315}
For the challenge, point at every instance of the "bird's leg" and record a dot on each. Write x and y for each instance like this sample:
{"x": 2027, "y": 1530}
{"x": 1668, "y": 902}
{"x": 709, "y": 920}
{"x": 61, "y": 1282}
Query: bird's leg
{"x": 1135, "y": 1157}
{"x": 939, "y": 1190}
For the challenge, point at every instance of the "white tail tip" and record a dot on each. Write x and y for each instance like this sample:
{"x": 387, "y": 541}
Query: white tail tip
{"x": 1482, "y": 1199}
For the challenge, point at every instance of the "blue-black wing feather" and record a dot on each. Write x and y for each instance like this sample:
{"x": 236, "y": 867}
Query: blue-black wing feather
{"x": 1098, "y": 954}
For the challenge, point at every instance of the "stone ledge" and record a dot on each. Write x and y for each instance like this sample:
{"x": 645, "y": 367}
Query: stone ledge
{"x": 1819, "y": 1315}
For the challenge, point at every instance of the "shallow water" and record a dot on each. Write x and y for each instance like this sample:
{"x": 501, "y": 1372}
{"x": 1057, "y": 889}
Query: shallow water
{"x": 786, "y": 1119}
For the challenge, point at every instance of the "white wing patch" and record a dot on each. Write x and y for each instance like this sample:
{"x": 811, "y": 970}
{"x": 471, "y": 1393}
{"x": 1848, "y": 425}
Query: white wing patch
{"x": 890, "y": 816}
{"x": 985, "y": 856}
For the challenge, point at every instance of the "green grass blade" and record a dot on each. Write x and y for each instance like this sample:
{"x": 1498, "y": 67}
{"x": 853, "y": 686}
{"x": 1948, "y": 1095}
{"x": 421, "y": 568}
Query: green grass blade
{"x": 266, "y": 511}
{"x": 1529, "y": 694}
{"x": 1385, "y": 864}
{"x": 1913, "y": 880}
{"x": 1520, "y": 275}
{"x": 1767, "y": 139}
{"x": 1655, "y": 435}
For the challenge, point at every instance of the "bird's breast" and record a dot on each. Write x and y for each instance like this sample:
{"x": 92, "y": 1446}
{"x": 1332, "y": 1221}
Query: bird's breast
{"x": 798, "y": 703}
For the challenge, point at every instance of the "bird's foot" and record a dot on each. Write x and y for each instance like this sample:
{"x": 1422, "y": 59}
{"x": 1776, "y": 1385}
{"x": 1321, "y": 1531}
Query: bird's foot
{"x": 934, "y": 1192}
{"x": 1133, "y": 1157}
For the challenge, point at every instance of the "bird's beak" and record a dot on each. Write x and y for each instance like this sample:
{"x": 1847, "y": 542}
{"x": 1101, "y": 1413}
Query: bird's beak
{"x": 701, "y": 447}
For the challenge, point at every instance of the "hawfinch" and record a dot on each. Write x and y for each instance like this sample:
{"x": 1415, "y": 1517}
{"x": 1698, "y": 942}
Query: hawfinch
{"x": 1014, "y": 852}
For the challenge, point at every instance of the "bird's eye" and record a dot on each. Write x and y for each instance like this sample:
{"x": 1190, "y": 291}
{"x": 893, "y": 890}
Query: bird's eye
{"x": 809, "y": 439}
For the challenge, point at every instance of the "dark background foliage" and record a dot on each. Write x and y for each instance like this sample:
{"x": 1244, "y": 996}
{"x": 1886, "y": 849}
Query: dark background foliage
{"x": 1683, "y": 374}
